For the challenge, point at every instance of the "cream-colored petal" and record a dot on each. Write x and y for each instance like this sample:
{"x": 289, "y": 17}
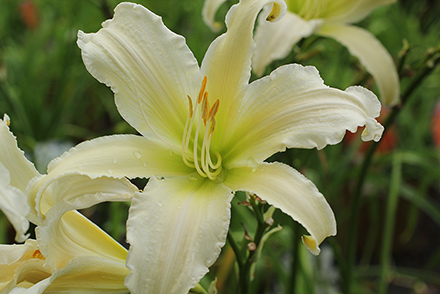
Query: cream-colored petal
{"x": 74, "y": 235}
{"x": 176, "y": 228}
{"x": 227, "y": 63}
{"x": 372, "y": 54}
{"x": 275, "y": 40}
{"x": 24, "y": 272}
{"x": 119, "y": 156}
{"x": 85, "y": 274}
{"x": 288, "y": 190}
{"x": 21, "y": 265}
{"x": 14, "y": 204}
{"x": 359, "y": 9}
{"x": 149, "y": 68}
{"x": 20, "y": 169}
{"x": 65, "y": 233}
{"x": 209, "y": 10}
{"x": 293, "y": 108}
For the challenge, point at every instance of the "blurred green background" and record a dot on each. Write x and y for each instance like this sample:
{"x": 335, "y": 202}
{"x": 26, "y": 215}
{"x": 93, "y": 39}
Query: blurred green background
{"x": 53, "y": 103}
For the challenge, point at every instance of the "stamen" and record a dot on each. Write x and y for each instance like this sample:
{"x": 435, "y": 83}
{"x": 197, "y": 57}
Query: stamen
{"x": 190, "y": 106}
{"x": 214, "y": 110}
{"x": 202, "y": 89}
{"x": 205, "y": 108}
{"x": 200, "y": 158}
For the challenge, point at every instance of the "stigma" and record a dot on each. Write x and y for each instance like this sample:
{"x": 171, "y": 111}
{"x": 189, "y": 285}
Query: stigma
{"x": 197, "y": 135}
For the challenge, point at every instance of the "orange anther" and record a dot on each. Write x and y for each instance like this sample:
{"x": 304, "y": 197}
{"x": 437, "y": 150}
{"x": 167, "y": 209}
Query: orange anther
{"x": 214, "y": 109}
{"x": 202, "y": 89}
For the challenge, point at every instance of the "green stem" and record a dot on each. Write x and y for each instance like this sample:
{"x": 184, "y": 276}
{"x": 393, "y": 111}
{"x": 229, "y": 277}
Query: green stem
{"x": 245, "y": 262}
{"x": 243, "y": 283}
{"x": 388, "y": 231}
{"x": 355, "y": 204}
{"x": 295, "y": 257}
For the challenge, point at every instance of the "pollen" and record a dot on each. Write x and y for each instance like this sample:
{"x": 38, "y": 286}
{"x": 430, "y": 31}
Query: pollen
{"x": 196, "y": 141}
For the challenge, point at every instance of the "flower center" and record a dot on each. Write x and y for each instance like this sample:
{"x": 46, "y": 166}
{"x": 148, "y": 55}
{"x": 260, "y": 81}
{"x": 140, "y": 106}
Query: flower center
{"x": 196, "y": 141}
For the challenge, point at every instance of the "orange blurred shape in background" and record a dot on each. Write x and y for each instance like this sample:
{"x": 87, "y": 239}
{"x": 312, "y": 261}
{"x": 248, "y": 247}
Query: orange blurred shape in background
{"x": 29, "y": 14}
{"x": 435, "y": 125}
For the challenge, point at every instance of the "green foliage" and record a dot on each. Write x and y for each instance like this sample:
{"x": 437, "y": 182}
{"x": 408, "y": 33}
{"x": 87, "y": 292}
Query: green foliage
{"x": 49, "y": 95}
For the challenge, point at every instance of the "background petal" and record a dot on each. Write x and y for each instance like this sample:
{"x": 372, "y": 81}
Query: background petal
{"x": 85, "y": 274}
{"x": 288, "y": 190}
{"x": 176, "y": 229}
{"x": 275, "y": 40}
{"x": 65, "y": 233}
{"x": 14, "y": 204}
{"x": 372, "y": 54}
{"x": 293, "y": 108}
{"x": 21, "y": 265}
{"x": 209, "y": 10}
{"x": 20, "y": 169}
{"x": 149, "y": 68}
{"x": 358, "y": 11}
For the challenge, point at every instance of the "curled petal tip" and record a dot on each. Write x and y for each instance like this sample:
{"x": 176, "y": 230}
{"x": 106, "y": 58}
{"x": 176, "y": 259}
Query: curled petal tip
{"x": 373, "y": 131}
{"x": 278, "y": 11}
{"x": 311, "y": 244}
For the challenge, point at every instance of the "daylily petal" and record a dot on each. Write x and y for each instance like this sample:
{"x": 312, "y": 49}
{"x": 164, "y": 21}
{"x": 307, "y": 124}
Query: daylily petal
{"x": 209, "y": 10}
{"x": 293, "y": 108}
{"x": 22, "y": 270}
{"x": 20, "y": 169}
{"x": 66, "y": 234}
{"x": 360, "y": 10}
{"x": 176, "y": 229}
{"x": 96, "y": 275}
{"x": 74, "y": 235}
{"x": 13, "y": 203}
{"x": 288, "y": 190}
{"x": 21, "y": 265}
{"x": 371, "y": 54}
{"x": 227, "y": 63}
{"x": 119, "y": 156}
{"x": 275, "y": 40}
{"x": 149, "y": 68}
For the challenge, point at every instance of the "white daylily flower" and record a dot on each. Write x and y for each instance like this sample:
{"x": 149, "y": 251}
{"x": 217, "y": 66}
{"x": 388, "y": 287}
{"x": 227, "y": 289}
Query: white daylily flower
{"x": 70, "y": 253}
{"x": 197, "y": 150}
{"x": 329, "y": 18}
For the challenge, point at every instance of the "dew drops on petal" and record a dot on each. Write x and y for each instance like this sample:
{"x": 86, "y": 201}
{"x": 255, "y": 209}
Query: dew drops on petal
{"x": 137, "y": 154}
{"x": 159, "y": 203}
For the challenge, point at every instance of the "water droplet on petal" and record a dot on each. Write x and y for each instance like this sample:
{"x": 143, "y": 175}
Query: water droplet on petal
{"x": 110, "y": 171}
{"x": 171, "y": 152}
{"x": 137, "y": 154}
{"x": 115, "y": 161}
{"x": 192, "y": 178}
{"x": 145, "y": 164}
{"x": 158, "y": 203}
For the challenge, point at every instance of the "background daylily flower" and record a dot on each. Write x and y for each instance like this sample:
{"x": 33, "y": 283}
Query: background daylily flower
{"x": 205, "y": 134}
{"x": 329, "y": 18}
{"x": 70, "y": 253}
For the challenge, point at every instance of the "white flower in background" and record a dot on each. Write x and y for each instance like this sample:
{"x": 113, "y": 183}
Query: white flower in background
{"x": 205, "y": 134}
{"x": 70, "y": 254}
{"x": 328, "y": 18}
